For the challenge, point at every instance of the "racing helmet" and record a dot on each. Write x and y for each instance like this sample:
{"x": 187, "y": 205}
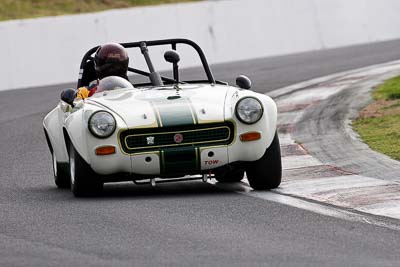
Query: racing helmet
{"x": 112, "y": 83}
{"x": 111, "y": 60}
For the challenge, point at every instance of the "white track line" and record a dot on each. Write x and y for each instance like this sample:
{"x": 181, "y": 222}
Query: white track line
{"x": 330, "y": 211}
{"x": 309, "y": 188}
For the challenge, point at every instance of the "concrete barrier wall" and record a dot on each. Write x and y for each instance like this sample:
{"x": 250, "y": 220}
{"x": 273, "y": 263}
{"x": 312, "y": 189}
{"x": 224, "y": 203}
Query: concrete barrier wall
{"x": 46, "y": 51}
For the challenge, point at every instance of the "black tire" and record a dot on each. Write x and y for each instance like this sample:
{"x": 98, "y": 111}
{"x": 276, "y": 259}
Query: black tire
{"x": 266, "y": 173}
{"x": 61, "y": 173}
{"x": 231, "y": 176}
{"x": 83, "y": 178}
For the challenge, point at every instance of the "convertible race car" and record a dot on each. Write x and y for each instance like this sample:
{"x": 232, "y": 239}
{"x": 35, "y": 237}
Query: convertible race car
{"x": 163, "y": 130}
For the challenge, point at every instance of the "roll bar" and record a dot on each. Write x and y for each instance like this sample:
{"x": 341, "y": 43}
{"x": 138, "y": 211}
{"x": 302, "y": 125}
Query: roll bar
{"x": 172, "y": 42}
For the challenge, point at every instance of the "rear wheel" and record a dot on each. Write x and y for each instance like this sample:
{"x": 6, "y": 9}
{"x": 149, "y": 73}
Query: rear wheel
{"x": 266, "y": 173}
{"x": 231, "y": 176}
{"x": 83, "y": 178}
{"x": 61, "y": 173}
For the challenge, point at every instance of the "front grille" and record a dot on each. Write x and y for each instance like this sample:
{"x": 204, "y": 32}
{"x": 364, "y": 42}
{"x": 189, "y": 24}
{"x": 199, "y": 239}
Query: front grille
{"x": 151, "y": 139}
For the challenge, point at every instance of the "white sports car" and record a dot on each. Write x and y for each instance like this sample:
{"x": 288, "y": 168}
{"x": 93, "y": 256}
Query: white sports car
{"x": 163, "y": 130}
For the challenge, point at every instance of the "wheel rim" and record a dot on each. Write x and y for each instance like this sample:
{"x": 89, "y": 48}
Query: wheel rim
{"x": 72, "y": 167}
{"x": 54, "y": 164}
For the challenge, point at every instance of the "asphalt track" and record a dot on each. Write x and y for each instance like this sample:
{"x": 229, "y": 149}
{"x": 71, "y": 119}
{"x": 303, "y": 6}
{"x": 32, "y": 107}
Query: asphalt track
{"x": 183, "y": 224}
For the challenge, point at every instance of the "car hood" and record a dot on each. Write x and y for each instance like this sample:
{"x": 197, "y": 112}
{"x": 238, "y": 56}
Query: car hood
{"x": 166, "y": 106}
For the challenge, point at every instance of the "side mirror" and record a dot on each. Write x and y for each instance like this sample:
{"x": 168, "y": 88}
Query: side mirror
{"x": 68, "y": 96}
{"x": 172, "y": 57}
{"x": 243, "y": 82}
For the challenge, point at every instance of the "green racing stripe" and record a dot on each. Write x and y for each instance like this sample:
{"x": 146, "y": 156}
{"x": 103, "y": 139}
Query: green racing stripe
{"x": 174, "y": 112}
{"x": 170, "y": 112}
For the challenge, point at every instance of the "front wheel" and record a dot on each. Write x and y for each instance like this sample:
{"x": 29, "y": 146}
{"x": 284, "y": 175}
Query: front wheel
{"x": 83, "y": 178}
{"x": 61, "y": 173}
{"x": 266, "y": 173}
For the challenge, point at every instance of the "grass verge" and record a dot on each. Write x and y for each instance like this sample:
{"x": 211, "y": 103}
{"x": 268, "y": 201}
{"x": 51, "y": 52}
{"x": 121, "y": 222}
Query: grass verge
{"x": 381, "y": 134}
{"x": 379, "y": 123}
{"x": 20, "y": 9}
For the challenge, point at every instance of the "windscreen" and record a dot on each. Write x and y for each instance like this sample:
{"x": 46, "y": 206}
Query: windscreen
{"x": 190, "y": 66}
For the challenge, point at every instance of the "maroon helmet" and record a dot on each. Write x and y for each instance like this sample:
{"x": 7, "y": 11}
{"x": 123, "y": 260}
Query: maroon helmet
{"x": 111, "y": 60}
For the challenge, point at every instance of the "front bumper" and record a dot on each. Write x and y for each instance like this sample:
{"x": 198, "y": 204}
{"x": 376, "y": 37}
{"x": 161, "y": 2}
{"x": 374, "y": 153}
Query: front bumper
{"x": 157, "y": 152}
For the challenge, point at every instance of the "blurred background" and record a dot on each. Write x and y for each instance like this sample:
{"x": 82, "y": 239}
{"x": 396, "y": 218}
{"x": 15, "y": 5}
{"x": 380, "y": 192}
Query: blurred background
{"x": 48, "y": 50}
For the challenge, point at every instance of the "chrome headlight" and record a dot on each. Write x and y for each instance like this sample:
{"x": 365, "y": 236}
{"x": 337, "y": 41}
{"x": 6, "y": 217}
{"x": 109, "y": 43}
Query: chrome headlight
{"x": 102, "y": 124}
{"x": 249, "y": 110}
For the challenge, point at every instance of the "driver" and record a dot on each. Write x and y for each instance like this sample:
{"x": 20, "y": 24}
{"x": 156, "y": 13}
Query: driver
{"x": 110, "y": 60}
